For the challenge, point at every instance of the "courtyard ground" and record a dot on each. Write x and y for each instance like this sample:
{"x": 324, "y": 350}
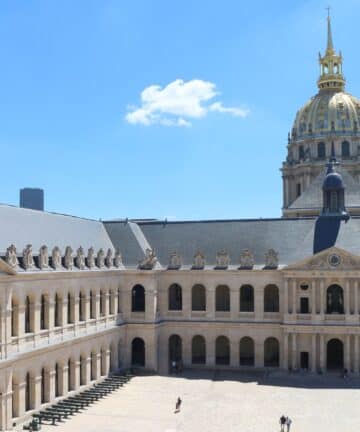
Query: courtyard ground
{"x": 226, "y": 402}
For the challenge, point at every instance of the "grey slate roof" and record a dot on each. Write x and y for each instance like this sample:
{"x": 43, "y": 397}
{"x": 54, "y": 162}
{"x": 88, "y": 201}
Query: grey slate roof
{"x": 20, "y": 226}
{"x": 292, "y": 239}
{"x": 312, "y": 197}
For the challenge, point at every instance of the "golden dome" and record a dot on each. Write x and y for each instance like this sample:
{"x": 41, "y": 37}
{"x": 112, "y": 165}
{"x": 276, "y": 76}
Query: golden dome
{"x": 327, "y": 113}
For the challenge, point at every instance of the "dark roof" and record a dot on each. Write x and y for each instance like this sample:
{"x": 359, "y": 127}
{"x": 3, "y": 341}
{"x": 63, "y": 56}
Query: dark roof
{"x": 21, "y": 226}
{"x": 312, "y": 197}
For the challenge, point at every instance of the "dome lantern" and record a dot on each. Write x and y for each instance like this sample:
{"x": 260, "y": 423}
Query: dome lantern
{"x": 331, "y": 77}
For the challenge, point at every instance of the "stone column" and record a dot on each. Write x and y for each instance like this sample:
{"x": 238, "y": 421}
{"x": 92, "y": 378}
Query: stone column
{"x": 322, "y": 298}
{"x": 356, "y": 353}
{"x": 107, "y": 362}
{"x": 234, "y": 353}
{"x": 50, "y": 388}
{"x": 86, "y": 306}
{"x": 294, "y": 351}
{"x": 294, "y": 299}
{"x": 210, "y": 352}
{"x": 21, "y": 320}
{"x": 347, "y": 364}
{"x": 20, "y": 389}
{"x": 313, "y": 299}
{"x": 286, "y": 297}
{"x": 356, "y": 298}
{"x": 347, "y": 299}
{"x": 63, "y": 379}
{"x": 259, "y": 303}
{"x": 75, "y": 307}
{"x": 234, "y": 303}
{"x": 259, "y": 353}
{"x": 35, "y": 391}
{"x": 98, "y": 366}
{"x": 210, "y": 302}
{"x": 106, "y": 302}
{"x": 313, "y": 353}
{"x": 285, "y": 364}
{"x": 322, "y": 352}
{"x": 87, "y": 369}
{"x": 76, "y": 375}
{"x": 96, "y": 296}
{"x": 186, "y": 299}
{"x": 50, "y": 319}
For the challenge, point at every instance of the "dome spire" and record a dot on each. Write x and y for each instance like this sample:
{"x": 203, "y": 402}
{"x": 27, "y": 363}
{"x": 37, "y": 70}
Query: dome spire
{"x": 331, "y": 78}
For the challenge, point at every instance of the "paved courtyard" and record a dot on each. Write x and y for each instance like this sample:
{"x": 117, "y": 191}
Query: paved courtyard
{"x": 226, "y": 402}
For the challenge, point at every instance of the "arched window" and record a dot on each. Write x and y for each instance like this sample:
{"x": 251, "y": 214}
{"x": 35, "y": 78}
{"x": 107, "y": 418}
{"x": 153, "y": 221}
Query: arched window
{"x": 198, "y": 350}
{"x": 138, "y": 352}
{"x": 334, "y": 300}
{"x": 175, "y": 349}
{"x": 246, "y": 298}
{"x": 271, "y": 298}
{"x": 81, "y": 307}
{"x": 92, "y": 305}
{"x": 28, "y": 326}
{"x": 57, "y": 380}
{"x": 271, "y": 352}
{"x": 198, "y": 298}
{"x": 69, "y": 309}
{"x": 118, "y": 301}
{"x": 70, "y": 375}
{"x": 222, "y": 350}
{"x": 138, "y": 299}
{"x": 321, "y": 153}
{"x": 335, "y": 354}
{"x": 43, "y": 386}
{"x": 14, "y": 318}
{"x": 57, "y": 311}
{"x": 222, "y": 295}
{"x": 301, "y": 152}
{"x": 43, "y": 313}
{"x": 345, "y": 149}
{"x": 111, "y": 302}
{"x": 175, "y": 297}
{"x": 27, "y": 392}
{"x": 247, "y": 351}
{"x": 102, "y": 303}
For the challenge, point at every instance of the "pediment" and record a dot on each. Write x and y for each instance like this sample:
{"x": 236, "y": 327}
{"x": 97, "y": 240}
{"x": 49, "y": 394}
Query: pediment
{"x": 330, "y": 259}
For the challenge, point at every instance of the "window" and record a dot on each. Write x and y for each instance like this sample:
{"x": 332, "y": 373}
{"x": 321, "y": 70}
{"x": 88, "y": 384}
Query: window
{"x": 222, "y": 298}
{"x": 301, "y": 152}
{"x": 138, "y": 299}
{"x": 247, "y": 351}
{"x": 43, "y": 323}
{"x": 321, "y": 150}
{"x": 345, "y": 149}
{"x": 246, "y": 298}
{"x": 271, "y": 298}
{"x": 298, "y": 189}
{"x": 198, "y": 350}
{"x": 92, "y": 305}
{"x": 57, "y": 311}
{"x": 304, "y": 305}
{"x": 198, "y": 298}
{"x": 28, "y": 326}
{"x": 175, "y": 297}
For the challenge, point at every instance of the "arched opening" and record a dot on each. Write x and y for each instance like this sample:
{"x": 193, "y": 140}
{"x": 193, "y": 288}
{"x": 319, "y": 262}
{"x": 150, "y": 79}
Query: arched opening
{"x": 27, "y": 392}
{"x": 198, "y": 350}
{"x": 334, "y": 300}
{"x": 271, "y": 298}
{"x": 70, "y": 375}
{"x": 321, "y": 153}
{"x": 271, "y": 352}
{"x": 28, "y": 326}
{"x": 57, "y": 380}
{"x": 43, "y": 386}
{"x": 111, "y": 302}
{"x": 15, "y": 399}
{"x": 92, "y": 305}
{"x": 246, "y": 298}
{"x": 102, "y": 303}
{"x": 103, "y": 362}
{"x": 44, "y": 312}
{"x": 175, "y": 297}
{"x": 175, "y": 350}
{"x": 138, "y": 299}
{"x": 93, "y": 366}
{"x": 70, "y": 303}
{"x": 345, "y": 149}
{"x": 81, "y": 307}
{"x": 222, "y": 295}
{"x": 222, "y": 350}
{"x": 247, "y": 351}
{"x": 57, "y": 311}
{"x": 82, "y": 371}
{"x": 119, "y": 301}
{"x": 14, "y": 318}
{"x": 198, "y": 298}
{"x": 138, "y": 352}
{"x": 335, "y": 354}
{"x": 301, "y": 152}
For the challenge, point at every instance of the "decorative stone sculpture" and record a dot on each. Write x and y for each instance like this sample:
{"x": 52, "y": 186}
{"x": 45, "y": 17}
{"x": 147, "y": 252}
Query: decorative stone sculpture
{"x": 117, "y": 259}
{"x": 28, "y": 261}
{"x": 11, "y": 257}
{"x": 222, "y": 260}
{"x": 68, "y": 258}
{"x": 43, "y": 258}
{"x": 174, "y": 261}
{"x": 199, "y": 261}
{"x": 80, "y": 259}
{"x": 109, "y": 258}
{"x": 56, "y": 258}
{"x": 100, "y": 259}
{"x": 149, "y": 261}
{"x": 246, "y": 260}
{"x": 90, "y": 259}
{"x": 271, "y": 259}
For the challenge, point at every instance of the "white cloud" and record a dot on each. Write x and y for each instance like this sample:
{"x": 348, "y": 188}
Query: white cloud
{"x": 177, "y": 103}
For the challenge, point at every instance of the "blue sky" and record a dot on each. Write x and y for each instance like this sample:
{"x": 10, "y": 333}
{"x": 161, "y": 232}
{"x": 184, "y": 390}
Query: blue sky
{"x": 71, "y": 72}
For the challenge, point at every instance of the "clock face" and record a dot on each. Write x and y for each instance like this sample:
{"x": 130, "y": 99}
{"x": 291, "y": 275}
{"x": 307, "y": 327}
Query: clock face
{"x": 334, "y": 260}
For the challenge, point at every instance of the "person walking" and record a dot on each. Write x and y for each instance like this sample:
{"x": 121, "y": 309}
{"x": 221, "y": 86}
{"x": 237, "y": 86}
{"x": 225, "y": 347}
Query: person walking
{"x": 282, "y": 422}
{"x": 178, "y": 405}
{"x": 288, "y": 424}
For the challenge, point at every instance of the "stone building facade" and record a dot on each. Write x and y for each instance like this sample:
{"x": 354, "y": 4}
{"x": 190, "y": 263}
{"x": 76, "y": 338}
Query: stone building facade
{"x": 82, "y": 298}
